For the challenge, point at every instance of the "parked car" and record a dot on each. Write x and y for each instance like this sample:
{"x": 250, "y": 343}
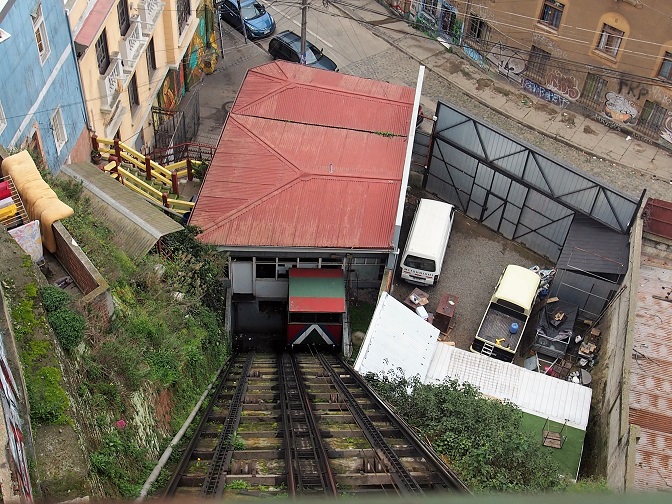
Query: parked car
{"x": 258, "y": 22}
{"x": 287, "y": 46}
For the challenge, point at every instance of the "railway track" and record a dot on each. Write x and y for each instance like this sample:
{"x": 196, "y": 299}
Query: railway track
{"x": 301, "y": 425}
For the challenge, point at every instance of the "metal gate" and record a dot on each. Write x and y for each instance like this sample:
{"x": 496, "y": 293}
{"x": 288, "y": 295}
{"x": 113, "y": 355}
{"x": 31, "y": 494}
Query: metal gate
{"x": 514, "y": 189}
{"x": 174, "y": 127}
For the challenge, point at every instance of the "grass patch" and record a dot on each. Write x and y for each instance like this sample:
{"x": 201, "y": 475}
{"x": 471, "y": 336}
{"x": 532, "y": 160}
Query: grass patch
{"x": 360, "y": 316}
{"x": 568, "y": 457}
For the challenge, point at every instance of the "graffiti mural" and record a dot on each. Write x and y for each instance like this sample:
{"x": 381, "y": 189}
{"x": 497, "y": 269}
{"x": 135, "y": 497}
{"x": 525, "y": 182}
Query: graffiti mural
{"x": 666, "y": 128}
{"x": 545, "y": 94}
{"x": 564, "y": 85}
{"x": 202, "y": 52}
{"x": 449, "y": 24}
{"x": 509, "y": 62}
{"x": 169, "y": 94}
{"x": 620, "y": 109}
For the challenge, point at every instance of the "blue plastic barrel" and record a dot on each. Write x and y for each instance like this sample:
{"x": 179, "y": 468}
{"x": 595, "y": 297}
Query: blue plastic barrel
{"x": 514, "y": 328}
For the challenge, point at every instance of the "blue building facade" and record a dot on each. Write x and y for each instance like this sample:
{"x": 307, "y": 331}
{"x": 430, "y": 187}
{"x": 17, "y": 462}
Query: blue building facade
{"x": 41, "y": 100}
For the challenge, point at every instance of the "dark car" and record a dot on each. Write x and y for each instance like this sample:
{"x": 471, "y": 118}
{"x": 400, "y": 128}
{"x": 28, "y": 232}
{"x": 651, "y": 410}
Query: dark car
{"x": 258, "y": 22}
{"x": 287, "y": 46}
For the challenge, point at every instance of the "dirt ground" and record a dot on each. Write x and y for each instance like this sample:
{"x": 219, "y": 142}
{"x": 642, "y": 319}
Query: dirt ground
{"x": 475, "y": 259}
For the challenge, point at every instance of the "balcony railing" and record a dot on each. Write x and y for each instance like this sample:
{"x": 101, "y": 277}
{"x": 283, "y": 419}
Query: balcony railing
{"x": 111, "y": 84}
{"x": 148, "y": 14}
{"x": 130, "y": 46}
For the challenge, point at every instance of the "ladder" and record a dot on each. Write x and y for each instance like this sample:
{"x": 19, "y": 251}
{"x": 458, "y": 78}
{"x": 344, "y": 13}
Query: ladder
{"x": 488, "y": 348}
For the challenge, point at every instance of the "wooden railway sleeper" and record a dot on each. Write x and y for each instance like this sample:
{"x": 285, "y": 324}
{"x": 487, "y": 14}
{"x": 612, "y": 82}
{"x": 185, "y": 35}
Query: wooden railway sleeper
{"x": 404, "y": 480}
{"x": 214, "y": 483}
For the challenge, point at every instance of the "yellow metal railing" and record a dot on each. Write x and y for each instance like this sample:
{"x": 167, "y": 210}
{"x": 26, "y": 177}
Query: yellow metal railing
{"x": 119, "y": 154}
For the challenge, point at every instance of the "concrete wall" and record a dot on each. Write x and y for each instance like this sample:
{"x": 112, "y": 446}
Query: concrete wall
{"x": 614, "y": 453}
{"x": 89, "y": 280}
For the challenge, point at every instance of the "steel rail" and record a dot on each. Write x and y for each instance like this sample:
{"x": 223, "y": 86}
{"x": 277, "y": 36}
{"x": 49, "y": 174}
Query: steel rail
{"x": 186, "y": 456}
{"x": 214, "y": 483}
{"x": 307, "y": 456}
{"x": 405, "y": 482}
{"x": 447, "y": 475}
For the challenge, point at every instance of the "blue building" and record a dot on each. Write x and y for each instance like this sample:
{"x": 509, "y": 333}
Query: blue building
{"x": 41, "y": 100}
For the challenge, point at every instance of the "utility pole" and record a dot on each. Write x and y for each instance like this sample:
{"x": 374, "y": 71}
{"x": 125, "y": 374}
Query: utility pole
{"x": 304, "y": 22}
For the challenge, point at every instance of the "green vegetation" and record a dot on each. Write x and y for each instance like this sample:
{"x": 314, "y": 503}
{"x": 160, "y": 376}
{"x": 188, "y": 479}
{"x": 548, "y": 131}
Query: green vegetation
{"x": 360, "y": 316}
{"x": 48, "y": 401}
{"x": 484, "y": 440}
{"x": 148, "y": 364}
{"x": 68, "y": 327}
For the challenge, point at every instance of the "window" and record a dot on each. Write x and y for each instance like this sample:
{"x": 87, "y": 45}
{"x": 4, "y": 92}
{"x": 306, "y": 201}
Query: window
{"x": 593, "y": 90}
{"x": 58, "y": 128}
{"x": 151, "y": 57}
{"x": 478, "y": 31}
{"x": 133, "y": 97}
{"x": 665, "y": 71}
{"x": 122, "y": 14}
{"x": 3, "y": 119}
{"x": 651, "y": 118}
{"x": 265, "y": 270}
{"x": 551, "y": 13}
{"x": 183, "y": 13}
{"x": 610, "y": 40}
{"x": 536, "y": 66}
{"x": 102, "y": 54}
{"x": 40, "y": 31}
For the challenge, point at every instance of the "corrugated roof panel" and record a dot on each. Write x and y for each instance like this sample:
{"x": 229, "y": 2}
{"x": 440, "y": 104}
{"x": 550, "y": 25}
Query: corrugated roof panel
{"x": 532, "y": 392}
{"x": 391, "y": 333}
{"x": 278, "y": 178}
{"x": 651, "y": 377}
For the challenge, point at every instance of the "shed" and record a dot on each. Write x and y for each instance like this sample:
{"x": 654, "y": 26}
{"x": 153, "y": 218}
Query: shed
{"x": 136, "y": 223}
{"x": 592, "y": 263}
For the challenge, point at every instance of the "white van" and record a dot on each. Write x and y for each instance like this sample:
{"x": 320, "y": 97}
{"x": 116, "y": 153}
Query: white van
{"x": 427, "y": 242}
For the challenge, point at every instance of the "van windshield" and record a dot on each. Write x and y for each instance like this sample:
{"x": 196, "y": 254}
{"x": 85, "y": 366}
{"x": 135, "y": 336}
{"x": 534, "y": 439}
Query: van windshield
{"x": 419, "y": 263}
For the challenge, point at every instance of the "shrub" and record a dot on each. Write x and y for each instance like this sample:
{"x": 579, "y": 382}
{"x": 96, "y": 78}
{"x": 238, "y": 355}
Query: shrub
{"x": 68, "y": 326}
{"x": 53, "y": 298}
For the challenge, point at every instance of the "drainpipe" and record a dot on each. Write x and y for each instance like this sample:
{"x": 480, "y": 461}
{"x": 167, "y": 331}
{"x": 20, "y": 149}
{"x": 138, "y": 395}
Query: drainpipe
{"x": 79, "y": 75}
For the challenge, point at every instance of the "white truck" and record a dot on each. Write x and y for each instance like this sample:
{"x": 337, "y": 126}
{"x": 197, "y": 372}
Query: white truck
{"x": 427, "y": 241}
{"x": 509, "y": 310}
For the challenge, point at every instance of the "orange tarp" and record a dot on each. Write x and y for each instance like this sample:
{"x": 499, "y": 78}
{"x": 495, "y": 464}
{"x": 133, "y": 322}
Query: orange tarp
{"x": 39, "y": 199}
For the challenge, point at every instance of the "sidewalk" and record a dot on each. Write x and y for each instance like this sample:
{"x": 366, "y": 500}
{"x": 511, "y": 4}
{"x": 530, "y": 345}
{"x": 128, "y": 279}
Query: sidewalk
{"x": 501, "y": 95}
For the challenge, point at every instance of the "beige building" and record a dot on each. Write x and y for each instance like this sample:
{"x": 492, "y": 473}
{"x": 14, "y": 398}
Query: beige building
{"x": 137, "y": 59}
{"x": 611, "y": 59}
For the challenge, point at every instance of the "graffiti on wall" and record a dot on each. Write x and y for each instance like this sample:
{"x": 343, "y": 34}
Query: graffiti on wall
{"x": 666, "y": 128}
{"x": 12, "y": 418}
{"x": 630, "y": 88}
{"x": 619, "y": 108}
{"x": 545, "y": 94}
{"x": 658, "y": 94}
{"x": 202, "y": 52}
{"x": 476, "y": 56}
{"x": 509, "y": 63}
{"x": 548, "y": 44}
{"x": 564, "y": 85}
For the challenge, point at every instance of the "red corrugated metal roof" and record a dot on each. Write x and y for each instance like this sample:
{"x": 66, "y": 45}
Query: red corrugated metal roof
{"x": 308, "y": 158}
{"x": 94, "y": 22}
{"x": 651, "y": 377}
{"x": 657, "y": 218}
